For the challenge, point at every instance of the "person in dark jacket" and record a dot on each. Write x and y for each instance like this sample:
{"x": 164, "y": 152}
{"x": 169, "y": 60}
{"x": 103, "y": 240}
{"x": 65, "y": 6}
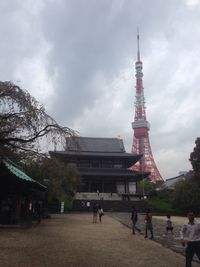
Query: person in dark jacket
{"x": 134, "y": 218}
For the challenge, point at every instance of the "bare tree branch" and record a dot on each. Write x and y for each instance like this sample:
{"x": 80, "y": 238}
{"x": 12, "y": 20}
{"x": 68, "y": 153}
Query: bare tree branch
{"x": 23, "y": 121}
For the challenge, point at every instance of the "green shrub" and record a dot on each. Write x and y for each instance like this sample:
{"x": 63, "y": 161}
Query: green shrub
{"x": 68, "y": 202}
{"x": 161, "y": 205}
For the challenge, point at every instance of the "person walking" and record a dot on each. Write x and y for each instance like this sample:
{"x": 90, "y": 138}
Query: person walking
{"x": 134, "y": 219}
{"x": 148, "y": 224}
{"x": 101, "y": 213}
{"x": 190, "y": 238}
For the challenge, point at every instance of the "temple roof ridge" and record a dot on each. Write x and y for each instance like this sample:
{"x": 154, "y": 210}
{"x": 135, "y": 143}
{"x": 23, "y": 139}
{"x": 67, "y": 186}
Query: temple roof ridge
{"x": 95, "y": 144}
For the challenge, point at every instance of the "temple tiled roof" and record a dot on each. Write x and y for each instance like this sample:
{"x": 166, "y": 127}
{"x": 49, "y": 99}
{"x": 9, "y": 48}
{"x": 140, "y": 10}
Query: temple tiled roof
{"x": 17, "y": 171}
{"x": 95, "y": 144}
{"x": 87, "y": 147}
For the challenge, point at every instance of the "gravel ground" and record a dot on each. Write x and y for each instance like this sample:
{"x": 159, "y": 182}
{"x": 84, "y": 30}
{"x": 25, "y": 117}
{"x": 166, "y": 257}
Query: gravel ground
{"x": 73, "y": 240}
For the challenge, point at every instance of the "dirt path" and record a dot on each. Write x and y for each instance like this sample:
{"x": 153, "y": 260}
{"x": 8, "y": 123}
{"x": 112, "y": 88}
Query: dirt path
{"x": 72, "y": 240}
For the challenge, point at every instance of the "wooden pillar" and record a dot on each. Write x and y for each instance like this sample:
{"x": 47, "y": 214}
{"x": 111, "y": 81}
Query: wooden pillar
{"x": 124, "y": 186}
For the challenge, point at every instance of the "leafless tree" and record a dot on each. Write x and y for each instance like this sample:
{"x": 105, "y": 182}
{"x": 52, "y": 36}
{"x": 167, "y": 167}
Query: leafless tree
{"x": 23, "y": 121}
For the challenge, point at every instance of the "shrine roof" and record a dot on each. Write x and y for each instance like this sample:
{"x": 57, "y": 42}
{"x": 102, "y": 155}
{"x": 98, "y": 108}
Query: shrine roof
{"x": 15, "y": 170}
{"x": 106, "y": 154}
{"x": 95, "y": 144}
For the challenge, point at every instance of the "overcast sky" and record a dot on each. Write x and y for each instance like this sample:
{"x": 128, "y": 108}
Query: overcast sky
{"x": 77, "y": 58}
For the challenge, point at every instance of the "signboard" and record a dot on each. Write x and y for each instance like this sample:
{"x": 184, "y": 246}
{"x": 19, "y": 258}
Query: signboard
{"x": 62, "y": 207}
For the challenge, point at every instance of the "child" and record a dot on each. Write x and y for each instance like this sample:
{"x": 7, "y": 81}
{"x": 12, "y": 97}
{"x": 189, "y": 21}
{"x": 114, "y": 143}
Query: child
{"x": 169, "y": 226}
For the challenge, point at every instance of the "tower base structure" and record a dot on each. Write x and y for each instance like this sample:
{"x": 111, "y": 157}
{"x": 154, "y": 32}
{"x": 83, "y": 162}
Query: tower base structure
{"x": 142, "y": 146}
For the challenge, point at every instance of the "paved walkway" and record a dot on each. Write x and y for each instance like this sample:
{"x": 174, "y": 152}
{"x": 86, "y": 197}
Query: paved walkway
{"x": 73, "y": 240}
{"x": 159, "y": 224}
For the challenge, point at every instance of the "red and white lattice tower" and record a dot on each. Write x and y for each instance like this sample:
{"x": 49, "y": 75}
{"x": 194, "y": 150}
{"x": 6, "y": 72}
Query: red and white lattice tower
{"x": 141, "y": 144}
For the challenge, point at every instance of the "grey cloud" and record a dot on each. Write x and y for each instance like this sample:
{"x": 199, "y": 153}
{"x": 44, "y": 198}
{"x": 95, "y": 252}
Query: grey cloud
{"x": 90, "y": 45}
{"x": 87, "y": 39}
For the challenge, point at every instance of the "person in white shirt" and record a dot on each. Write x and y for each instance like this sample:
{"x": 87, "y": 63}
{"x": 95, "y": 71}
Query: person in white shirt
{"x": 190, "y": 238}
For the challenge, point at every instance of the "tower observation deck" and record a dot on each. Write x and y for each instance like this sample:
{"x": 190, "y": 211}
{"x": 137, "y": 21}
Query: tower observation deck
{"x": 140, "y": 125}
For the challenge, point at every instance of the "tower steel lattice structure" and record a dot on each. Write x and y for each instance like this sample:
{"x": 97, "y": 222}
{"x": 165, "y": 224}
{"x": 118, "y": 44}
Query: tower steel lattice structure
{"x": 140, "y": 125}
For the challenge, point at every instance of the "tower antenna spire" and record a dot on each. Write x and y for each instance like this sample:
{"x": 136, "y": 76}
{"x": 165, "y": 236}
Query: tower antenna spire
{"x": 138, "y": 44}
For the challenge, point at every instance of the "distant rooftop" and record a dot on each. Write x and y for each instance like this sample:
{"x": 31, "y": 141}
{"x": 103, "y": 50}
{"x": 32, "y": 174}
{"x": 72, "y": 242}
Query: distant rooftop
{"x": 95, "y": 144}
{"x": 171, "y": 182}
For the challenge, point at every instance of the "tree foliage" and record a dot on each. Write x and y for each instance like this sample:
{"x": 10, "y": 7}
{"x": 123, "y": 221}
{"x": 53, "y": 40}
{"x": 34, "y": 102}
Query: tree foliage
{"x": 23, "y": 121}
{"x": 146, "y": 187}
{"x": 60, "y": 180}
{"x": 195, "y": 157}
{"x": 186, "y": 196}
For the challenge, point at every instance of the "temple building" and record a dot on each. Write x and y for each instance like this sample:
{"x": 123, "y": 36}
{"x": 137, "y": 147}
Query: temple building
{"x": 103, "y": 165}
